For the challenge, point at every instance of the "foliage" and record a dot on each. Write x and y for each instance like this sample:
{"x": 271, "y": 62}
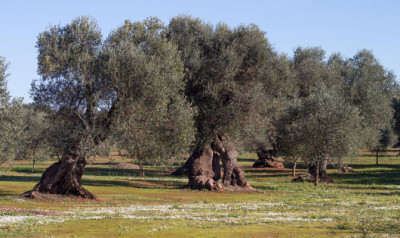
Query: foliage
{"x": 386, "y": 140}
{"x": 396, "y": 118}
{"x": 132, "y": 82}
{"x": 361, "y": 86}
{"x": 151, "y": 84}
{"x": 156, "y": 122}
{"x": 367, "y": 85}
{"x": 12, "y": 129}
{"x": 310, "y": 69}
{"x": 321, "y": 126}
{"x": 11, "y": 120}
{"x": 34, "y": 142}
{"x": 70, "y": 83}
{"x": 233, "y": 78}
{"x": 4, "y": 96}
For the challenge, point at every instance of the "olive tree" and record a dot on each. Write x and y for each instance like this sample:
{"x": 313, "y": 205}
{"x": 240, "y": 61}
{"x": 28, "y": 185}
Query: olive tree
{"x": 12, "y": 129}
{"x": 396, "y": 118}
{"x": 157, "y": 126}
{"x": 4, "y": 96}
{"x": 11, "y": 119}
{"x": 88, "y": 82}
{"x": 34, "y": 141}
{"x": 320, "y": 127}
{"x": 4, "y": 100}
{"x": 228, "y": 74}
{"x": 370, "y": 87}
{"x": 311, "y": 73}
{"x": 367, "y": 85}
{"x": 386, "y": 140}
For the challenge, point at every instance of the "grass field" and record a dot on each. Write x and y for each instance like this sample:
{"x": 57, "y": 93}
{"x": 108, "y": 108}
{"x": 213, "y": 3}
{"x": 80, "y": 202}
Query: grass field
{"x": 364, "y": 203}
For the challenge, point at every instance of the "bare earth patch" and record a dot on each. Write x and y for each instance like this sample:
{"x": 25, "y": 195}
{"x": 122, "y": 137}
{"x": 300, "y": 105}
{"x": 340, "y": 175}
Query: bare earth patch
{"x": 126, "y": 166}
{"x": 31, "y": 211}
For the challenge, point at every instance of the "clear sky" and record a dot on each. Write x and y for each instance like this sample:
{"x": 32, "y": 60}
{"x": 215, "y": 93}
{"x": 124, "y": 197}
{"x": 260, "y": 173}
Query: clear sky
{"x": 344, "y": 26}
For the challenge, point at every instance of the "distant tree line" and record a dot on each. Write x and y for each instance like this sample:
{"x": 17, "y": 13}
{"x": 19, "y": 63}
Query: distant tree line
{"x": 189, "y": 88}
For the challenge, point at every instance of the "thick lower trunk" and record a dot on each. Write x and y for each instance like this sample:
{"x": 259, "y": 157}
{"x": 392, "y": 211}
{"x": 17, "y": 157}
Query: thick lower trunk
{"x": 216, "y": 167}
{"x": 377, "y": 157}
{"x": 141, "y": 171}
{"x": 181, "y": 171}
{"x": 204, "y": 168}
{"x": 268, "y": 158}
{"x": 294, "y": 169}
{"x": 317, "y": 175}
{"x": 322, "y": 175}
{"x": 200, "y": 170}
{"x": 63, "y": 177}
{"x": 233, "y": 178}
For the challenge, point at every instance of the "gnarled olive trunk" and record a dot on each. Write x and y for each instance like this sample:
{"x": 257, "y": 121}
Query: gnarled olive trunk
{"x": 181, "y": 171}
{"x": 204, "y": 167}
{"x": 200, "y": 170}
{"x": 268, "y": 158}
{"x": 319, "y": 173}
{"x": 62, "y": 177}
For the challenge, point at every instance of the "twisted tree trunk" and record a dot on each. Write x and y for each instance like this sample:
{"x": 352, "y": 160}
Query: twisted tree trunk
{"x": 204, "y": 168}
{"x": 200, "y": 170}
{"x": 318, "y": 172}
{"x": 268, "y": 158}
{"x": 63, "y": 177}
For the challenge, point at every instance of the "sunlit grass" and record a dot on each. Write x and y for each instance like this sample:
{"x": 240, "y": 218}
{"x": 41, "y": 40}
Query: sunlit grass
{"x": 366, "y": 202}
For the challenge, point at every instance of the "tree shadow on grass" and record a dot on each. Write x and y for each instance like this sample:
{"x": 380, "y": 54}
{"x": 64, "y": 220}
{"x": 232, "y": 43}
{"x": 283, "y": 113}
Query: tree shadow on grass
{"x": 140, "y": 183}
{"x": 93, "y": 171}
{"x": 368, "y": 178}
{"x": 273, "y": 173}
{"x": 246, "y": 160}
{"x": 377, "y": 167}
{"x": 381, "y": 156}
{"x": 389, "y": 194}
{"x": 14, "y": 178}
{"x": 148, "y": 184}
{"x": 124, "y": 172}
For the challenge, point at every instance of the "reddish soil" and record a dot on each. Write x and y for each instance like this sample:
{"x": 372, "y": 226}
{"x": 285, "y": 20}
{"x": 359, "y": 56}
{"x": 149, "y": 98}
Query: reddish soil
{"x": 31, "y": 211}
{"x": 126, "y": 166}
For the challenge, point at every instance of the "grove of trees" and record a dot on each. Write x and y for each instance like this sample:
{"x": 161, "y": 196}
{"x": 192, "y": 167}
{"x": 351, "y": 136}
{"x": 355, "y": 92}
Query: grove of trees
{"x": 192, "y": 89}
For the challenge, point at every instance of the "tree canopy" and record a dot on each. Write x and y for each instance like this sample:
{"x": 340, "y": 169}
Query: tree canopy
{"x": 161, "y": 92}
{"x": 232, "y": 76}
{"x": 156, "y": 121}
{"x": 91, "y": 84}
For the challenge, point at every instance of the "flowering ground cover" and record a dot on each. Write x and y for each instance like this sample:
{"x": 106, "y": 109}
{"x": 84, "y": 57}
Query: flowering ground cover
{"x": 364, "y": 203}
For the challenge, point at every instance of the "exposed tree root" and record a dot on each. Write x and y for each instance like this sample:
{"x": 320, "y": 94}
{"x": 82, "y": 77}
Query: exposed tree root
{"x": 63, "y": 177}
{"x": 204, "y": 168}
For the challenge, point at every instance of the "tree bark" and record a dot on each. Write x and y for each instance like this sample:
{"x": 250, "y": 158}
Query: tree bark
{"x": 141, "y": 170}
{"x": 317, "y": 176}
{"x": 200, "y": 170}
{"x": 323, "y": 177}
{"x": 182, "y": 170}
{"x": 63, "y": 177}
{"x": 294, "y": 169}
{"x": 233, "y": 178}
{"x": 216, "y": 167}
{"x": 204, "y": 169}
{"x": 377, "y": 157}
{"x": 268, "y": 158}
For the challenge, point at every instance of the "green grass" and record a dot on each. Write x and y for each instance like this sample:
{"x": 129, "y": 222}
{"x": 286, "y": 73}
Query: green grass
{"x": 366, "y": 202}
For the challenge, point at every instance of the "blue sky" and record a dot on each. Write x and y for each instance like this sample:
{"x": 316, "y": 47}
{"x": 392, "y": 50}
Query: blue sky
{"x": 337, "y": 26}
